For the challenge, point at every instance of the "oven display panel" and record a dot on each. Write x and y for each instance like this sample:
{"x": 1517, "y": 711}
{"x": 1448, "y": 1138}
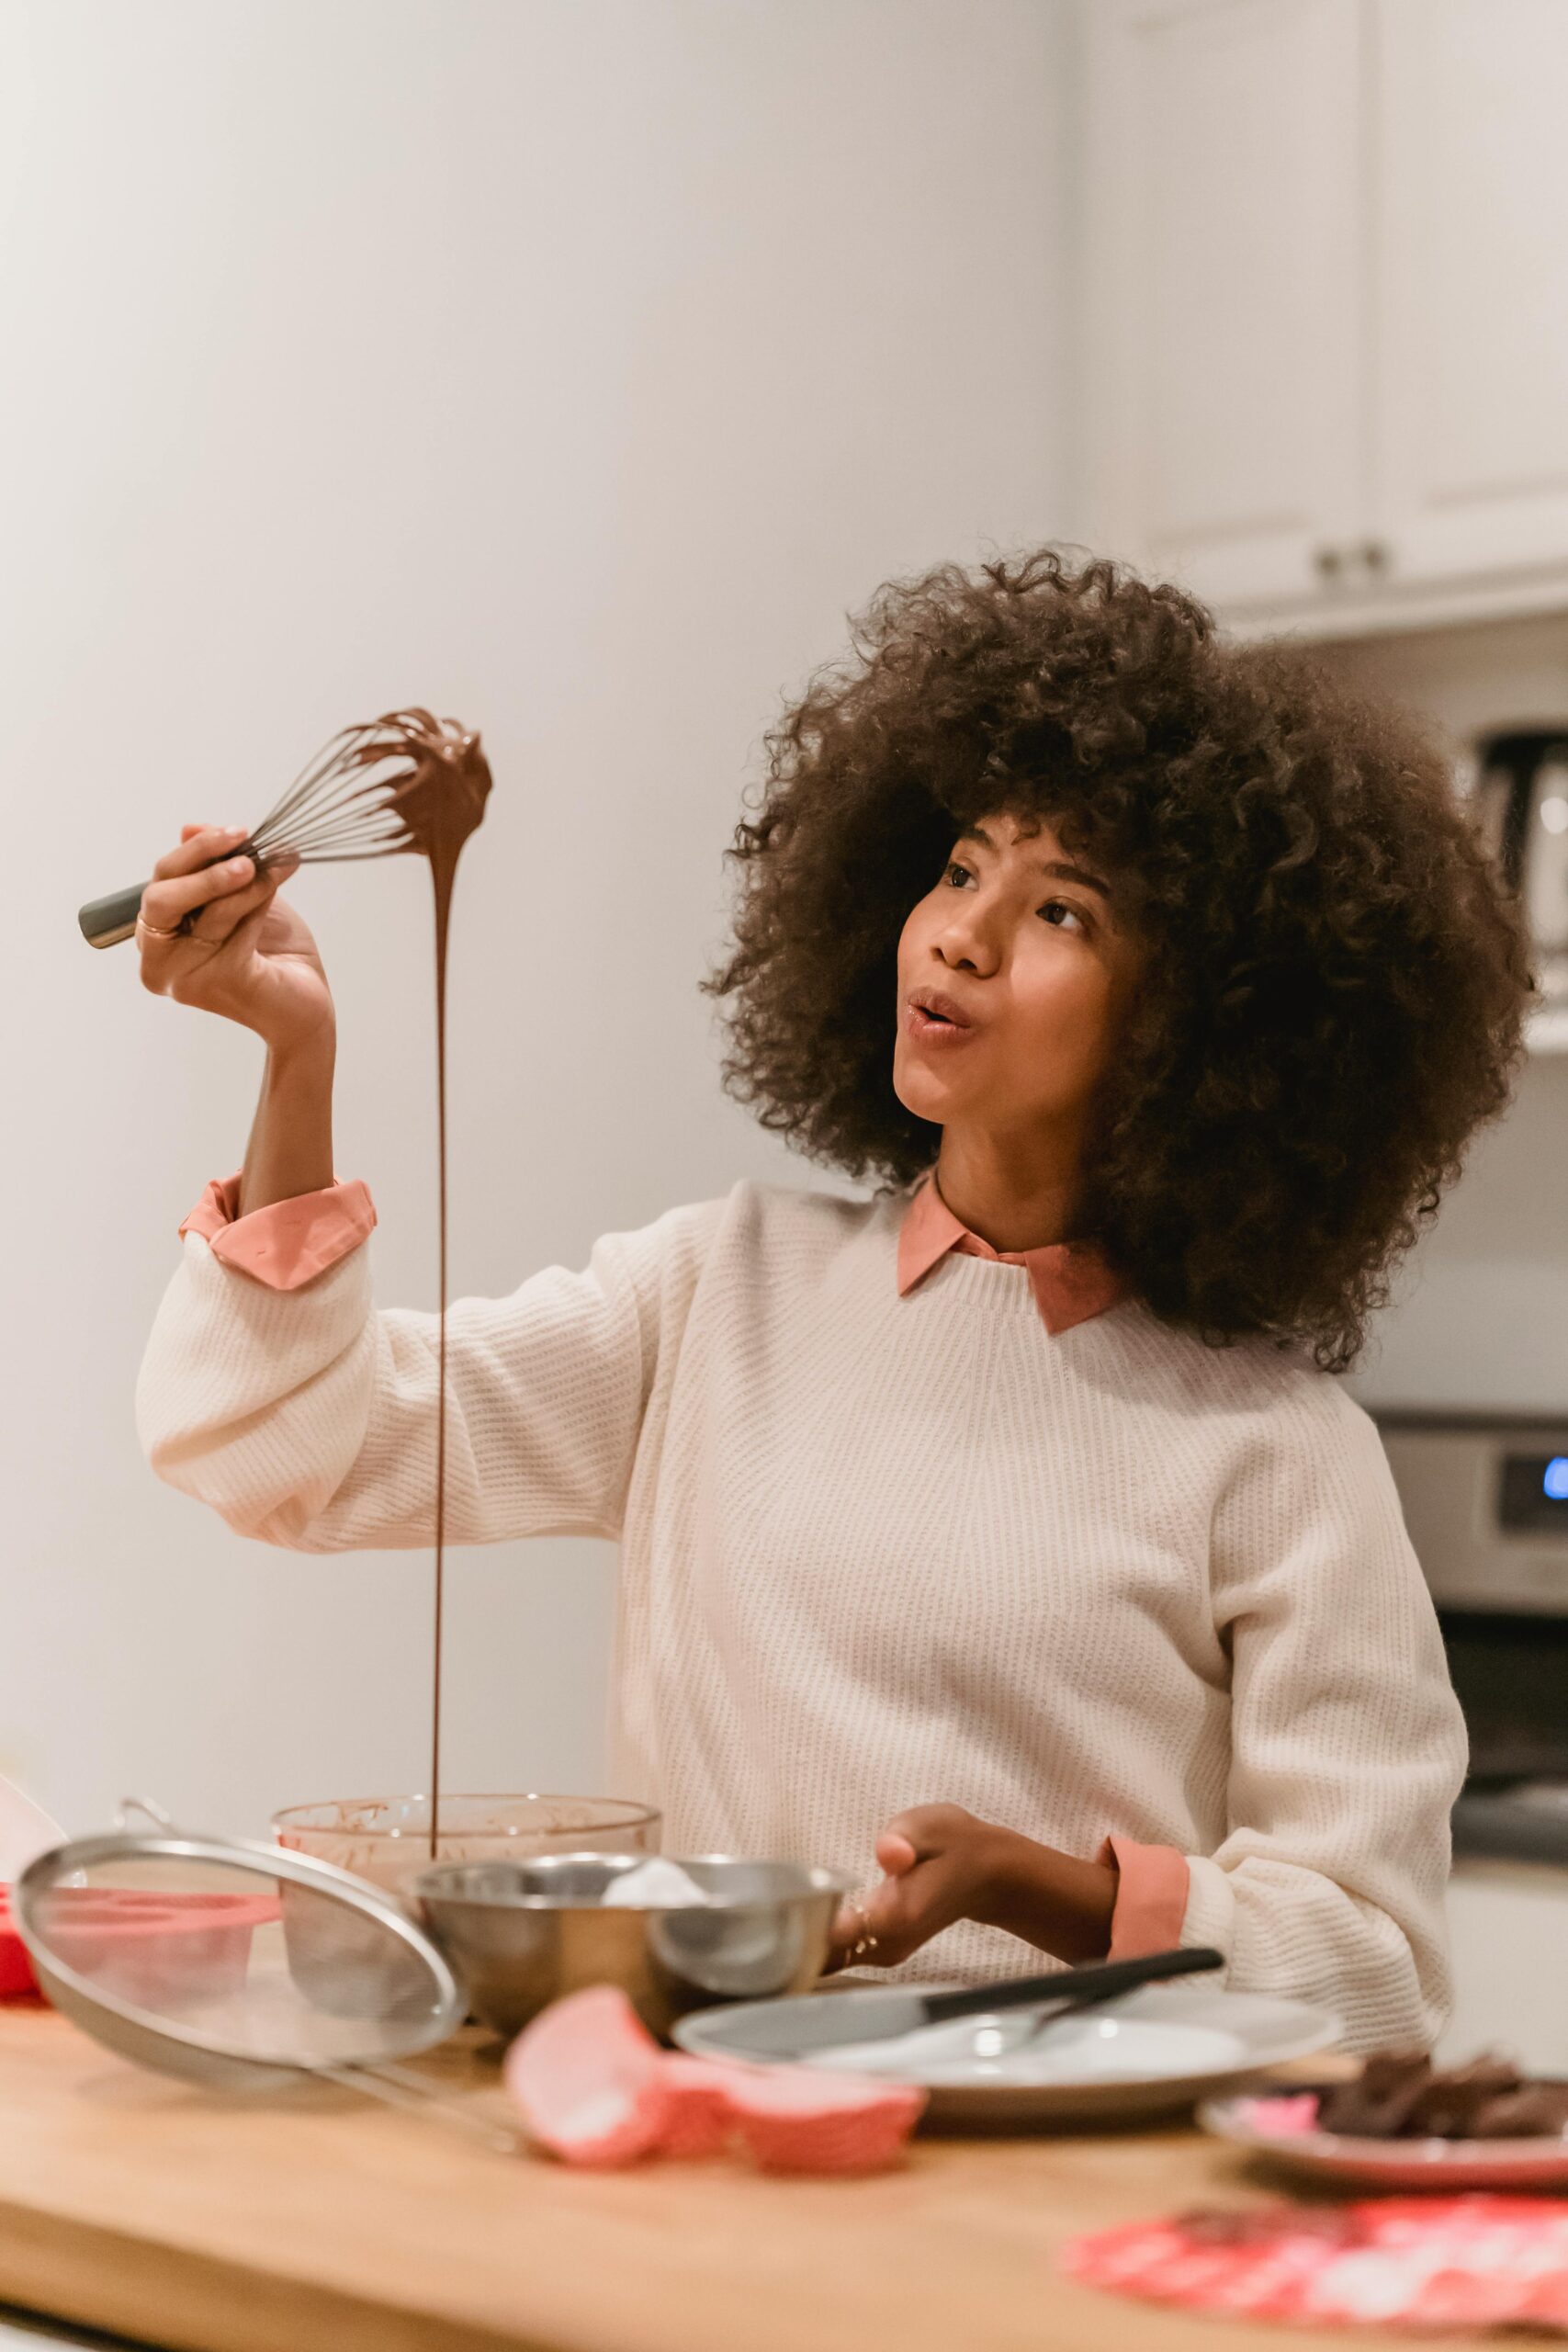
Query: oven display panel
{"x": 1533, "y": 1494}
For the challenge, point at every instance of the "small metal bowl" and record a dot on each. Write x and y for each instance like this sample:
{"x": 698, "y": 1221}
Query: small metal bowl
{"x": 519, "y": 1934}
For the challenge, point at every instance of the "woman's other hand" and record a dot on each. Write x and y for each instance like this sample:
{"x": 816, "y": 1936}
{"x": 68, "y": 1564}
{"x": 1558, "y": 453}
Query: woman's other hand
{"x": 246, "y": 954}
{"x": 943, "y": 1864}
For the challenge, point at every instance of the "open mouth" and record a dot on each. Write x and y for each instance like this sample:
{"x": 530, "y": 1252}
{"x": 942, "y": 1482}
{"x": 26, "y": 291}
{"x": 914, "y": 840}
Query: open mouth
{"x": 931, "y": 1021}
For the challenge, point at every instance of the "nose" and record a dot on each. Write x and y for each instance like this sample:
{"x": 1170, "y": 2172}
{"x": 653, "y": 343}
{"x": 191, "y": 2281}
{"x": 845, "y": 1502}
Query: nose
{"x": 969, "y": 940}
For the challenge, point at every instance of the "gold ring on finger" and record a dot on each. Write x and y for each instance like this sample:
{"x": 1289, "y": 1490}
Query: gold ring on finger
{"x": 152, "y": 931}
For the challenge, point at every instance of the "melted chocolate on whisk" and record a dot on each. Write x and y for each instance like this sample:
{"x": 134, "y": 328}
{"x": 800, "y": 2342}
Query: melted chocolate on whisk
{"x": 441, "y": 802}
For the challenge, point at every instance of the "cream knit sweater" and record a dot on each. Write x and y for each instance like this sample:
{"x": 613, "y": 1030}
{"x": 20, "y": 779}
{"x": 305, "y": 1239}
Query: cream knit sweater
{"x": 878, "y": 1551}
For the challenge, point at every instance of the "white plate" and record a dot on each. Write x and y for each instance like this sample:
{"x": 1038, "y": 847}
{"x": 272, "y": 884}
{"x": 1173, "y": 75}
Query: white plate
{"x": 1159, "y": 2048}
{"x": 1389, "y": 2164}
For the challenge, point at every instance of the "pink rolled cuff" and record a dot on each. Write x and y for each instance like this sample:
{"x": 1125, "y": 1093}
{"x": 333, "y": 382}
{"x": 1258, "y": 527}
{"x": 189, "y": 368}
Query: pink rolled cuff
{"x": 1151, "y": 1897}
{"x": 288, "y": 1243}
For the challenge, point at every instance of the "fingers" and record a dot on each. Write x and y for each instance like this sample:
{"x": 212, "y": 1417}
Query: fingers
{"x": 199, "y": 844}
{"x": 229, "y": 898}
{"x": 219, "y": 920}
{"x": 902, "y": 1912}
{"x": 192, "y": 971}
{"x": 858, "y": 1928}
{"x": 841, "y": 1936}
{"x": 882, "y": 1928}
{"x": 246, "y": 931}
{"x": 931, "y": 1855}
{"x": 851, "y": 1942}
{"x": 879, "y": 1928}
{"x": 896, "y": 1852}
{"x": 165, "y": 902}
{"x": 925, "y": 1829}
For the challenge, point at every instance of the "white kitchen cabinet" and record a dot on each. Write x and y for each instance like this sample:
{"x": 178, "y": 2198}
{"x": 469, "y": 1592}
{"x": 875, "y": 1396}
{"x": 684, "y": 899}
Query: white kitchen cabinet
{"x": 1222, "y": 319}
{"x": 1324, "y": 373}
{"x": 1470, "y": 290}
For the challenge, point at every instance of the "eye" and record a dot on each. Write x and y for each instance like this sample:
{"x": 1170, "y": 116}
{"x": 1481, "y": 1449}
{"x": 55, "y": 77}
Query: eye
{"x": 962, "y": 871}
{"x": 1055, "y": 908}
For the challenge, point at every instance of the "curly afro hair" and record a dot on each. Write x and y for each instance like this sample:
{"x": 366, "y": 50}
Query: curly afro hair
{"x": 1337, "y": 980}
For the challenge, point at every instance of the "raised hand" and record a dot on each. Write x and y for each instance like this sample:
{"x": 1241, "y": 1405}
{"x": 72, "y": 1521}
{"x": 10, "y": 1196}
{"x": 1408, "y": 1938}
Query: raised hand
{"x": 218, "y": 936}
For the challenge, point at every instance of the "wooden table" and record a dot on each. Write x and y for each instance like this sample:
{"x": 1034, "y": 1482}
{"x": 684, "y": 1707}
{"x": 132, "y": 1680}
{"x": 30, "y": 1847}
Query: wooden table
{"x": 323, "y": 2223}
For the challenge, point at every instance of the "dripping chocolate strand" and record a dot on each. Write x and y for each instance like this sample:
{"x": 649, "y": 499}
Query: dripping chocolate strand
{"x": 405, "y": 782}
{"x": 440, "y": 800}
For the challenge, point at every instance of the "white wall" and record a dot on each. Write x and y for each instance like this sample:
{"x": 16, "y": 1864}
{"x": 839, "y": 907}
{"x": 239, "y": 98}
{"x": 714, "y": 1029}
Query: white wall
{"x": 573, "y": 366}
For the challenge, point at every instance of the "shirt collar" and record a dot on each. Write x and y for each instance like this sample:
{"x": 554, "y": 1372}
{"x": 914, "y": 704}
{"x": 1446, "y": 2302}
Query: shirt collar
{"x": 1070, "y": 1286}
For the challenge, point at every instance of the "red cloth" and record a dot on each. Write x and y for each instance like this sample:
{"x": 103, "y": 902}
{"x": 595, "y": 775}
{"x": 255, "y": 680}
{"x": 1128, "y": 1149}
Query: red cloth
{"x": 1432, "y": 2262}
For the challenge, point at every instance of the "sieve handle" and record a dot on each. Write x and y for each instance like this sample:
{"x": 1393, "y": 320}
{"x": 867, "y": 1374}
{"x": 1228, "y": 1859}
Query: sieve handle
{"x": 149, "y": 1811}
{"x": 413, "y": 2095}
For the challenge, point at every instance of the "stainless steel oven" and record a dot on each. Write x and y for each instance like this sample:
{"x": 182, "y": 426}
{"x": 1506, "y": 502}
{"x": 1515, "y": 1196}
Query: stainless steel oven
{"x": 1485, "y": 1501}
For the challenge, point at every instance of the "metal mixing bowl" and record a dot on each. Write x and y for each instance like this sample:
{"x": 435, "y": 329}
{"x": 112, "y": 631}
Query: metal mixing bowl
{"x": 519, "y": 1934}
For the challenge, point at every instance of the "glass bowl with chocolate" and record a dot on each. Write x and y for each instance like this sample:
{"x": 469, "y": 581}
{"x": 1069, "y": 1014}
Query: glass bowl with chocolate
{"x": 387, "y": 1841}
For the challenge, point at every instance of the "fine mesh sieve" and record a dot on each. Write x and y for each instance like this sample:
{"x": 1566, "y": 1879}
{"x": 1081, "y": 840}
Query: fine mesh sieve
{"x": 241, "y": 1966}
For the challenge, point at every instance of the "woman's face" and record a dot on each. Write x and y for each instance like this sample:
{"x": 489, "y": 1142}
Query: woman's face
{"x": 1022, "y": 947}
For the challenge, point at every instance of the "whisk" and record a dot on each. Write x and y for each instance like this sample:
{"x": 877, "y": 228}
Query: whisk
{"x": 367, "y": 794}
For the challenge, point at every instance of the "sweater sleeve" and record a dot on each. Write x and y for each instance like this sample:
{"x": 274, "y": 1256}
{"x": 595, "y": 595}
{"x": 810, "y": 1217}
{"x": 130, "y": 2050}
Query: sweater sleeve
{"x": 308, "y": 1416}
{"x": 1348, "y": 1745}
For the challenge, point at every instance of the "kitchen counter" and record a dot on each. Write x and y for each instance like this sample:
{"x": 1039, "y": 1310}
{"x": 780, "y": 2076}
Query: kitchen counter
{"x": 136, "y": 2204}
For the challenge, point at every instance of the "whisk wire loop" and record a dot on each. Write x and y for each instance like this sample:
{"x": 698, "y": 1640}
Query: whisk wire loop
{"x": 360, "y": 797}
{"x": 339, "y": 806}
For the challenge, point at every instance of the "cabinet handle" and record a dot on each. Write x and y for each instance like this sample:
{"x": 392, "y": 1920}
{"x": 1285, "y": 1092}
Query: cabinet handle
{"x": 1330, "y": 562}
{"x": 1374, "y": 554}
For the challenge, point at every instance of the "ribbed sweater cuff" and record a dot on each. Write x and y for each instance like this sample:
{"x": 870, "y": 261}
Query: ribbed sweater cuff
{"x": 1210, "y": 1916}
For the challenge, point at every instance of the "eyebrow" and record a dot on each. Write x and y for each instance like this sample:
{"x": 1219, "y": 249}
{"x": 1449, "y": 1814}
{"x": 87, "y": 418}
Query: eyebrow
{"x": 1057, "y": 869}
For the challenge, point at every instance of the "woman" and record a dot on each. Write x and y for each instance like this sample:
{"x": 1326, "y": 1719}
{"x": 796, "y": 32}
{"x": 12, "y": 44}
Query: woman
{"x": 1008, "y": 1525}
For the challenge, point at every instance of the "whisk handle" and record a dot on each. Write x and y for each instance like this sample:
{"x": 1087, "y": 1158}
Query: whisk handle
{"x": 105, "y": 921}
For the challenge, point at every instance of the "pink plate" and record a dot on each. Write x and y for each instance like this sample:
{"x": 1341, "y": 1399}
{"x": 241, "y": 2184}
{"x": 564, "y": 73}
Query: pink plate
{"x": 1281, "y": 2128}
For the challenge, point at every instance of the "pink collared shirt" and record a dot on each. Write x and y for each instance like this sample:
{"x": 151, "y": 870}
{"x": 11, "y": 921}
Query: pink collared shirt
{"x": 290, "y": 1242}
{"x": 1069, "y": 1286}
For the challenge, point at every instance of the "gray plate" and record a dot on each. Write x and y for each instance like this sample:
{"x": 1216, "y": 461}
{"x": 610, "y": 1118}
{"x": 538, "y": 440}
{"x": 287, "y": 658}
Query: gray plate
{"x": 1153, "y": 2050}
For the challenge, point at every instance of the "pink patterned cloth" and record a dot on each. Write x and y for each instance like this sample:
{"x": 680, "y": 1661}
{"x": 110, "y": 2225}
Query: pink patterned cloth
{"x": 1458, "y": 2266}
{"x": 288, "y": 1243}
